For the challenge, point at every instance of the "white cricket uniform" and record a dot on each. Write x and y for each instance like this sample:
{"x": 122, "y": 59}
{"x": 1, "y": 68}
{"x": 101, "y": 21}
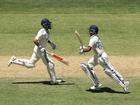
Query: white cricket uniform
{"x": 101, "y": 58}
{"x": 42, "y": 37}
{"x": 97, "y": 48}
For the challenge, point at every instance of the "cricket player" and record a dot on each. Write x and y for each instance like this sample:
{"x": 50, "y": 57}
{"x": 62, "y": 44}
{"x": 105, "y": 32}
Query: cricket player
{"x": 40, "y": 41}
{"x": 101, "y": 58}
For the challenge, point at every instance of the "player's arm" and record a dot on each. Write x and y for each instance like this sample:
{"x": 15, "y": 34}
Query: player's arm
{"x": 87, "y": 49}
{"x": 90, "y": 45}
{"x": 84, "y": 49}
{"x": 52, "y": 44}
{"x": 36, "y": 42}
{"x": 42, "y": 49}
{"x": 49, "y": 41}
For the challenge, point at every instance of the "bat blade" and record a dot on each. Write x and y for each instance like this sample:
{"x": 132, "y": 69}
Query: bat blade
{"x": 79, "y": 37}
{"x": 59, "y": 58}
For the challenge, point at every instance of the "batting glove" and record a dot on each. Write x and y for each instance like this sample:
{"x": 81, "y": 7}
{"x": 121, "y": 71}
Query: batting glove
{"x": 81, "y": 49}
{"x": 53, "y": 46}
{"x": 42, "y": 49}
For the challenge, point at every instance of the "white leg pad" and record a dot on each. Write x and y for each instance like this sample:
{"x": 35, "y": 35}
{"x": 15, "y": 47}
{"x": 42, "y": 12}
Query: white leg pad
{"x": 115, "y": 76}
{"x": 91, "y": 75}
{"x": 51, "y": 71}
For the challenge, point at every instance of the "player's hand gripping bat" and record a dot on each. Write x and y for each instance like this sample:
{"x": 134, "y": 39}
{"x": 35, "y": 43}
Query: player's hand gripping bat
{"x": 80, "y": 40}
{"x": 57, "y": 57}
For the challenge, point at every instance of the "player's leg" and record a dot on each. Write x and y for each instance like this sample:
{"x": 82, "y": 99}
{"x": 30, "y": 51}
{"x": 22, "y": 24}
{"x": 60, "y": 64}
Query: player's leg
{"x": 92, "y": 63}
{"x": 51, "y": 69}
{"x": 88, "y": 70}
{"x": 111, "y": 72}
{"x": 117, "y": 77}
{"x": 24, "y": 62}
{"x": 11, "y": 60}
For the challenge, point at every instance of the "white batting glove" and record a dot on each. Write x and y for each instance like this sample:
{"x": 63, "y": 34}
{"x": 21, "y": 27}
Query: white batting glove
{"x": 81, "y": 49}
{"x": 42, "y": 49}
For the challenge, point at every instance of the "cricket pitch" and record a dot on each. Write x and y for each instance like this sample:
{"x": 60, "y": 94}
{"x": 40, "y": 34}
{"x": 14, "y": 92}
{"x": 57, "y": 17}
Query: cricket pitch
{"x": 128, "y": 66}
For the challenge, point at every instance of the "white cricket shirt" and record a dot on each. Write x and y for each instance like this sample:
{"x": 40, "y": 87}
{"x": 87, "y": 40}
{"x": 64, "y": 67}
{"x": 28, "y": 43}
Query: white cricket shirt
{"x": 96, "y": 45}
{"x": 42, "y": 37}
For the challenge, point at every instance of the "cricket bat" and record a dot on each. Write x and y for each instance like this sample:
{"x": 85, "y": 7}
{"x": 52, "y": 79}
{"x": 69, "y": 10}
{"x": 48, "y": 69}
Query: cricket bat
{"x": 58, "y": 58}
{"x": 79, "y": 37}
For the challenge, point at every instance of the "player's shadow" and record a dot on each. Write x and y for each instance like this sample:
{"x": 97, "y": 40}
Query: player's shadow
{"x": 43, "y": 82}
{"x": 106, "y": 89}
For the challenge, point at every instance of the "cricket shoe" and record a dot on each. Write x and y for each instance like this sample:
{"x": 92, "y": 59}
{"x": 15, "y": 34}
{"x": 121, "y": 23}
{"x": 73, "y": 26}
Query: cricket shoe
{"x": 58, "y": 81}
{"x": 125, "y": 88}
{"x": 11, "y": 60}
{"x": 96, "y": 87}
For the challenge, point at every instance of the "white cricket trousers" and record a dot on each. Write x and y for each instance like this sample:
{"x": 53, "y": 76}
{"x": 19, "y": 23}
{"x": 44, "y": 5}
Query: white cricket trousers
{"x": 108, "y": 68}
{"x": 37, "y": 54}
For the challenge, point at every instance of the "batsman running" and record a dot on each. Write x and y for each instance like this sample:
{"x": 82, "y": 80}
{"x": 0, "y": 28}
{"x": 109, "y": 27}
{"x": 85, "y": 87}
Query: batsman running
{"x": 101, "y": 58}
{"x": 40, "y": 41}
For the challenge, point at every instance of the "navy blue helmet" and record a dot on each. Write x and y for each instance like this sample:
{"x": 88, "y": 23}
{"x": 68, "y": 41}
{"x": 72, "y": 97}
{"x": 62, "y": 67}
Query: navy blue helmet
{"x": 46, "y": 23}
{"x": 93, "y": 29}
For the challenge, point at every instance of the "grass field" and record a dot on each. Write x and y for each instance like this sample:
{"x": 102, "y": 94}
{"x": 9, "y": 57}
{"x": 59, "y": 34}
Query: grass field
{"x": 30, "y": 87}
{"x": 35, "y": 91}
{"x": 119, "y": 23}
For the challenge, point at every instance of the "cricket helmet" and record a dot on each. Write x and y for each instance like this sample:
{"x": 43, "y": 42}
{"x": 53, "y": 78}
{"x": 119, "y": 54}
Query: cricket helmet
{"x": 46, "y": 23}
{"x": 93, "y": 29}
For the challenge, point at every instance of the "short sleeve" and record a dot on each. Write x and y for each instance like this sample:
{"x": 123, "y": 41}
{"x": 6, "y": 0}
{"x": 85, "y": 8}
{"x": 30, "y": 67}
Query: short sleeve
{"x": 92, "y": 41}
{"x": 38, "y": 34}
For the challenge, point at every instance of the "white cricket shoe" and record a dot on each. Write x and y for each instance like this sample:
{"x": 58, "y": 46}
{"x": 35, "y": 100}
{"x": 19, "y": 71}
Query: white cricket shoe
{"x": 96, "y": 86}
{"x": 58, "y": 81}
{"x": 125, "y": 88}
{"x": 11, "y": 60}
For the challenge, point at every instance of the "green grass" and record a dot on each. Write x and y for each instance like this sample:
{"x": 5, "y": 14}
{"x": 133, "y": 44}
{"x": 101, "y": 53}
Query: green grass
{"x": 73, "y": 92}
{"x": 70, "y": 6}
{"x": 118, "y": 21}
{"x": 119, "y": 32}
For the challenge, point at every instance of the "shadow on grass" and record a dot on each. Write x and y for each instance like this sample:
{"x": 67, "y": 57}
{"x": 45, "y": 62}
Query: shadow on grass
{"x": 43, "y": 82}
{"x": 106, "y": 89}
